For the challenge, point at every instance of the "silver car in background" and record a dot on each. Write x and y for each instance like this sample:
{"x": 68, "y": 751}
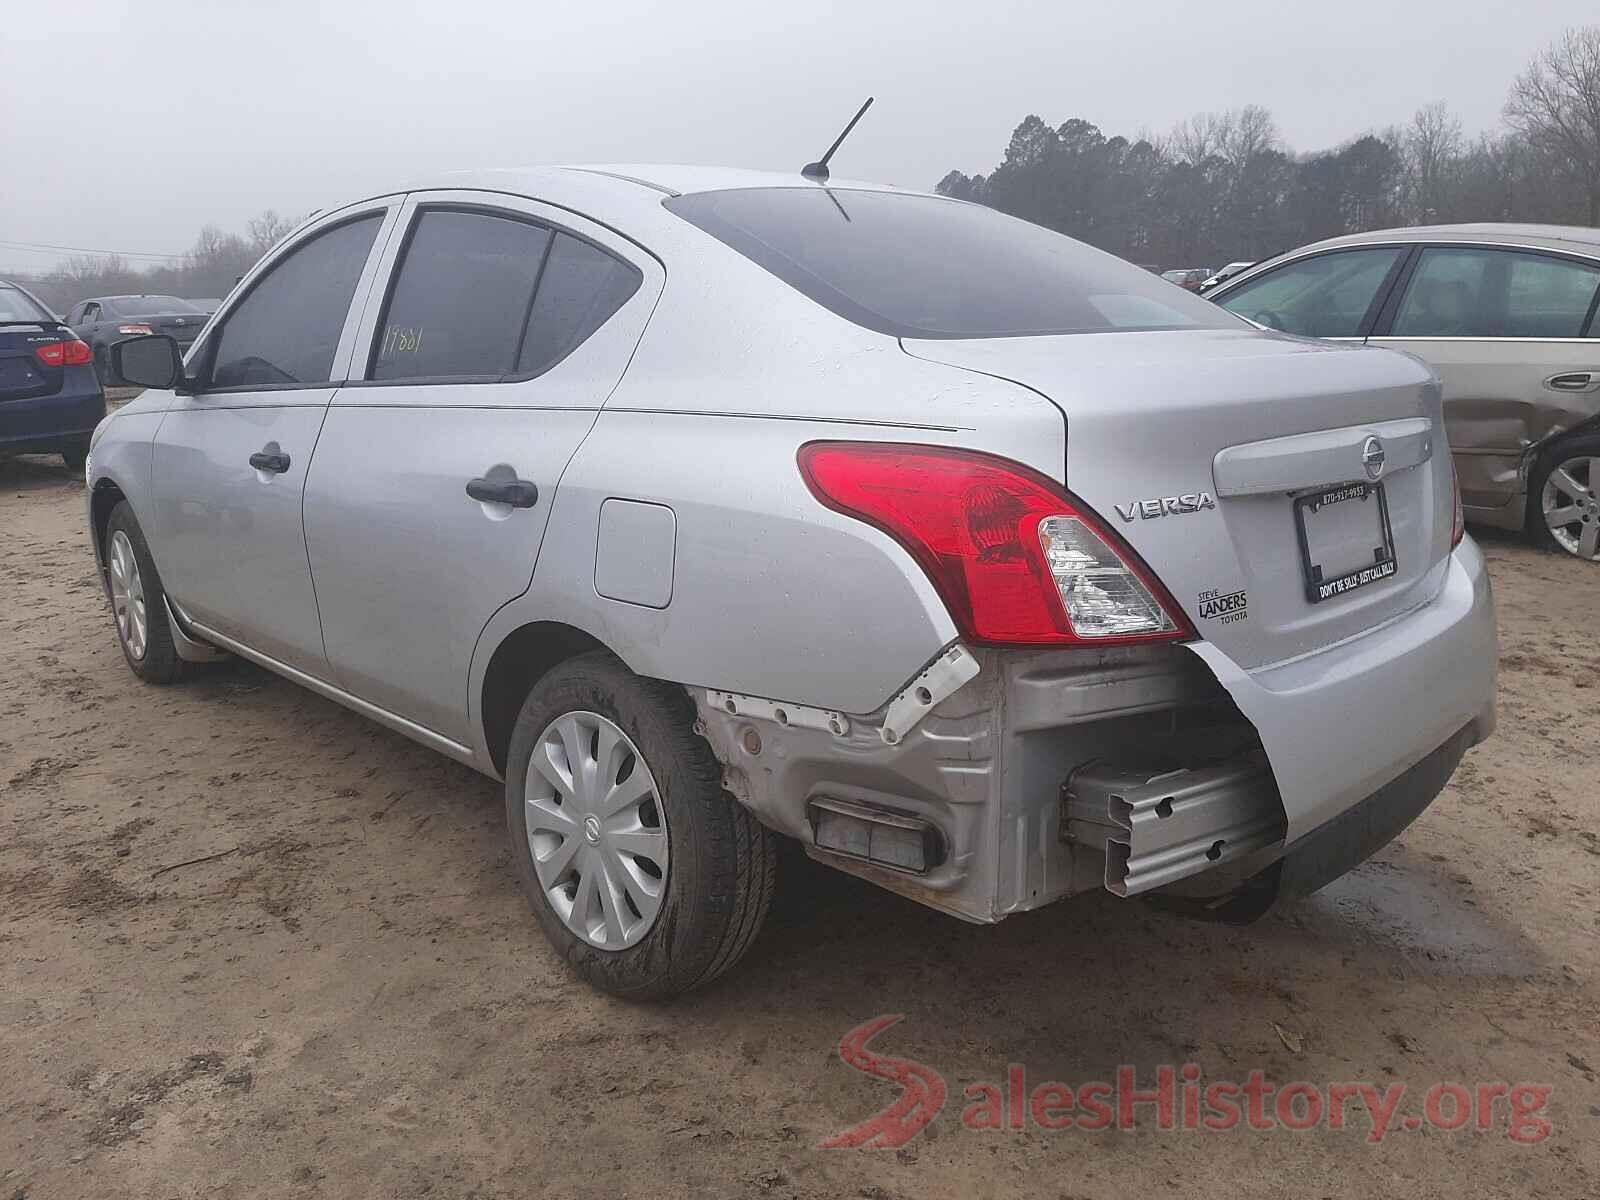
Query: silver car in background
{"x": 706, "y": 507}
{"x": 1506, "y": 315}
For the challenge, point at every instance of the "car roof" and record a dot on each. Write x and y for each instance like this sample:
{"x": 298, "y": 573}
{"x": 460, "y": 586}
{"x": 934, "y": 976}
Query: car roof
{"x": 1554, "y": 237}
{"x": 667, "y": 178}
{"x": 626, "y": 197}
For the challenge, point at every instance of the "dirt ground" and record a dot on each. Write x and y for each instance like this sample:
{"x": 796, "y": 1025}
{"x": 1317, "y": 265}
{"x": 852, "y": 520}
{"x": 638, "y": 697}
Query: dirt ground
{"x": 349, "y": 997}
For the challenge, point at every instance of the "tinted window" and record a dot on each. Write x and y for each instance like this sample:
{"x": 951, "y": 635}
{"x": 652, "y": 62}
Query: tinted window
{"x": 1496, "y": 293}
{"x": 17, "y": 305}
{"x": 287, "y": 328}
{"x": 581, "y": 287}
{"x": 1324, "y": 296}
{"x": 139, "y": 306}
{"x": 460, "y": 300}
{"x": 922, "y": 266}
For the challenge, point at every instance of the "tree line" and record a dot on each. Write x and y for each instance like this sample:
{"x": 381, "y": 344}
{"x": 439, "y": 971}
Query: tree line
{"x": 206, "y": 271}
{"x": 1217, "y": 188}
{"x": 1224, "y": 187}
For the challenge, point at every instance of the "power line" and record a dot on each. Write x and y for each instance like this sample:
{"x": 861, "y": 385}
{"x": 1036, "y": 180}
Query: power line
{"x": 46, "y": 248}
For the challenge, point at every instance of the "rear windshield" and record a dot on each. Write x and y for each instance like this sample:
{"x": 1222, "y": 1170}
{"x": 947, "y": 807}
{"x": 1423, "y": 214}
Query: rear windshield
{"x": 17, "y": 305}
{"x": 926, "y": 267}
{"x": 140, "y": 306}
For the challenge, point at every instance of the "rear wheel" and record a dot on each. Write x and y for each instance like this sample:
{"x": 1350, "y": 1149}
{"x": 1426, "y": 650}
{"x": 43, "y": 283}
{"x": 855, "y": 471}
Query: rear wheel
{"x": 1564, "y": 498}
{"x": 138, "y": 602}
{"x": 645, "y": 875}
{"x": 102, "y": 367}
{"x": 75, "y": 454}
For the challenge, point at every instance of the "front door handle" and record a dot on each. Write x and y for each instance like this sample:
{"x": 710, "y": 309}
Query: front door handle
{"x": 277, "y": 464}
{"x": 518, "y": 493}
{"x": 1571, "y": 381}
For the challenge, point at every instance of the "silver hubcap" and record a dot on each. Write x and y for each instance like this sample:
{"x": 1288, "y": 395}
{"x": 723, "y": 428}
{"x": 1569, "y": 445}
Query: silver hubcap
{"x": 596, "y": 830}
{"x": 127, "y": 595}
{"x": 1571, "y": 504}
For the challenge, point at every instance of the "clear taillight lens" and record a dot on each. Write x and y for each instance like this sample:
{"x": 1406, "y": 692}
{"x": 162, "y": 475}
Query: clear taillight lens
{"x": 1016, "y": 560}
{"x": 1102, "y": 595}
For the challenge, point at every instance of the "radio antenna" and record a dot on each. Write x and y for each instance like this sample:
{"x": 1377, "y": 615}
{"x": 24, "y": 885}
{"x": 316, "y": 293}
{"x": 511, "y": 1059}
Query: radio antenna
{"x": 819, "y": 169}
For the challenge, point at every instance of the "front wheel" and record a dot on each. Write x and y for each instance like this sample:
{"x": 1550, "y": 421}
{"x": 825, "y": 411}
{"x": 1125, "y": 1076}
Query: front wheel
{"x": 645, "y": 875}
{"x": 1564, "y": 498}
{"x": 138, "y": 602}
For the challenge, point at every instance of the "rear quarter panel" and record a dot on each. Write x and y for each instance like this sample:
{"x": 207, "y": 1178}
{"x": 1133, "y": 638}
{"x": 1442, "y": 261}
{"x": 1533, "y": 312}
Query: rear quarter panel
{"x": 771, "y": 593}
{"x": 1496, "y": 405}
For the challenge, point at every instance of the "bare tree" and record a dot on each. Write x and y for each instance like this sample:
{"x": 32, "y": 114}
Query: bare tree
{"x": 1432, "y": 149}
{"x": 267, "y": 230}
{"x": 1198, "y": 138}
{"x": 1555, "y": 105}
{"x": 1245, "y": 135}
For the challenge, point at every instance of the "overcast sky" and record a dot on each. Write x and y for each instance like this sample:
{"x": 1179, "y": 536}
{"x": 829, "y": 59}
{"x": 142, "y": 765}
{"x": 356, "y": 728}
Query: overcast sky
{"x": 126, "y": 124}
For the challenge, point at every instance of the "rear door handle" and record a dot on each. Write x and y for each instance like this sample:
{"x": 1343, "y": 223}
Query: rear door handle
{"x": 1571, "y": 381}
{"x": 275, "y": 463}
{"x": 518, "y": 493}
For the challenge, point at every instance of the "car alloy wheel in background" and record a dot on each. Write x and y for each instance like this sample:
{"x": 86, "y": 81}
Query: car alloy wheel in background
{"x": 1570, "y": 504}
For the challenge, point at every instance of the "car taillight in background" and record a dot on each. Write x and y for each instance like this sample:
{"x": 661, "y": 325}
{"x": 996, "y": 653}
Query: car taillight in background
{"x": 135, "y": 330}
{"x": 1015, "y": 559}
{"x": 63, "y": 354}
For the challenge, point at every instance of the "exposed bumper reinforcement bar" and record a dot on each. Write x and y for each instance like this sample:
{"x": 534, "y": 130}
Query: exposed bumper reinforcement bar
{"x": 1156, "y": 827}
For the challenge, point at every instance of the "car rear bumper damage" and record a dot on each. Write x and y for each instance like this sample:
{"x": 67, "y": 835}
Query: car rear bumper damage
{"x": 1163, "y": 770}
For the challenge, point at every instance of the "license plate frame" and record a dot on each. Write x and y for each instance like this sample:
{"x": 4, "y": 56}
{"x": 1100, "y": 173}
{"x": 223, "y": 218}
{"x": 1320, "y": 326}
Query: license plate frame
{"x": 1322, "y": 585}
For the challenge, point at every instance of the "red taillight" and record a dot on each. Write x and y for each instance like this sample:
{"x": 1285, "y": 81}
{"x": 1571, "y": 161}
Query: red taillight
{"x": 1458, "y": 518}
{"x": 1015, "y": 559}
{"x": 63, "y": 354}
{"x": 135, "y": 330}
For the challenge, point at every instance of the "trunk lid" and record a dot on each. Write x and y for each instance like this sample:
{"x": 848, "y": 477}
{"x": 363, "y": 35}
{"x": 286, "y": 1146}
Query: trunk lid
{"x": 22, "y": 375}
{"x": 1196, "y": 446}
{"x": 184, "y": 327}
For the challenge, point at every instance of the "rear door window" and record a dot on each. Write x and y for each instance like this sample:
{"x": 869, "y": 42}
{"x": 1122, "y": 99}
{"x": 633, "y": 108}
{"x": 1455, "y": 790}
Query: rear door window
{"x": 581, "y": 287}
{"x": 461, "y": 297}
{"x": 481, "y": 297}
{"x": 1326, "y": 295}
{"x": 1491, "y": 293}
{"x": 287, "y": 329}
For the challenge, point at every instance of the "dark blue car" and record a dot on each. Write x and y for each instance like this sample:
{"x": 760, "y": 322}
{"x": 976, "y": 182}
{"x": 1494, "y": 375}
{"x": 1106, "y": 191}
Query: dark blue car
{"x": 50, "y": 397}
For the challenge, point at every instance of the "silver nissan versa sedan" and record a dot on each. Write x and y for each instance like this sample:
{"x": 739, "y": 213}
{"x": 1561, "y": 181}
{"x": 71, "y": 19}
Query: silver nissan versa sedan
{"x": 706, "y": 507}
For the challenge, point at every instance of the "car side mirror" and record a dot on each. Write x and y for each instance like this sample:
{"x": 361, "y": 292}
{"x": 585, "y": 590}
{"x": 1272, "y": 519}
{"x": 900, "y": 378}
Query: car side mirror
{"x": 149, "y": 360}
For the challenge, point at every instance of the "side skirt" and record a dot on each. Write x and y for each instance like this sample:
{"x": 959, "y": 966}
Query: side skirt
{"x": 417, "y": 733}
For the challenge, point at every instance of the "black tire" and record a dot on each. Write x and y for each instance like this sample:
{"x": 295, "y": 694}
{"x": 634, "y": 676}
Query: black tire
{"x": 1587, "y": 444}
{"x": 102, "y": 368}
{"x": 159, "y": 663}
{"x": 722, "y": 861}
{"x": 75, "y": 454}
